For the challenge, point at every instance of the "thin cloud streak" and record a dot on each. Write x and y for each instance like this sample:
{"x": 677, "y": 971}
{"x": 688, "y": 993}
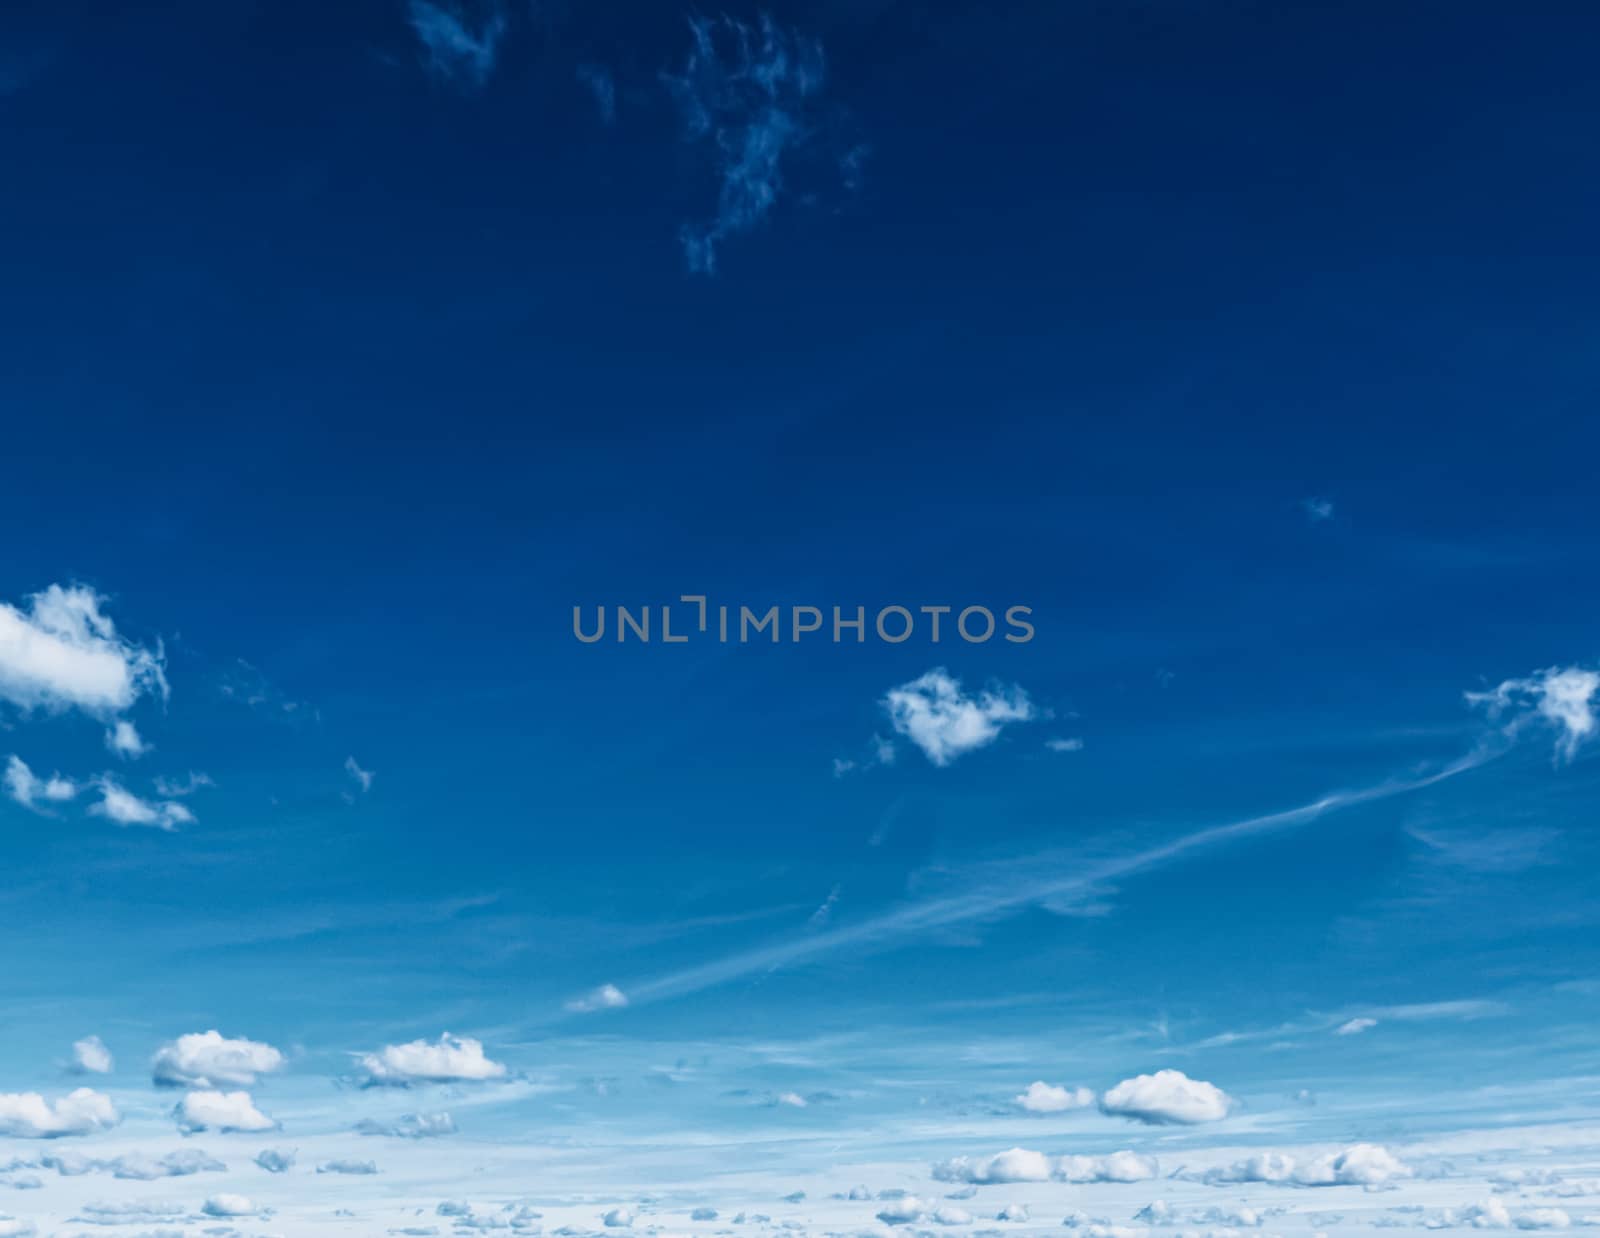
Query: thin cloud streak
{"x": 999, "y": 898}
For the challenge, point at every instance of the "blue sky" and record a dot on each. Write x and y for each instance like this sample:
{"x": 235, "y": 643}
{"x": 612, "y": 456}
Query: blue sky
{"x": 348, "y": 350}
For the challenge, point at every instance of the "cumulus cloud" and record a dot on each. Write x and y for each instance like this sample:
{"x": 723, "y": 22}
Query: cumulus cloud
{"x": 348, "y": 1167}
{"x": 1354, "y": 1027}
{"x": 618, "y": 1218}
{"x": 1044, "y": 1097}
{"x": 745, "y": 94}
{"x": 121, "y": 806}
{"x": 29, "y": 790}
{"x": 275, "y": 1160}
{"x": 1362, "y": 1164}
{"x": 1121, "y": 1166}
{"x": 62, "y": 651}
{"x": 449, "y": 1059}
{"x": 1167, "y": 1097}
{"x": 228, "y": 1206}
{"x": 1013, "y": 1165}
{"x": 210, "y": 1059}
{"x": 123, "y": 738}
{"x": 606, "y": 997}
{"x": 457, "y": 46}
{"x": 28, "y": 1115}
{"x": 1561, "y": 700}
{"x": 183, "y": 1163}
{"x": 903, "y": 1211}
{"x": 222, "y": 1111}
{"x": 938, "y": 717}
{"x": 91, "y": 1057}
{"x": 410, "y": 1126}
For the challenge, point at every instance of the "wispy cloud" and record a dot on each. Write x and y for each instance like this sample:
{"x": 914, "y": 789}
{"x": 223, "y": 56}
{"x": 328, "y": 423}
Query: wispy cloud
{"x": 459, "y": 47}
{"x": 599, "y": 82}
{"x": 29, "y": 790}
{"x": 745, "y": 92}
{"x": 122, "y": 807}
{"x": 1558, "y": 699}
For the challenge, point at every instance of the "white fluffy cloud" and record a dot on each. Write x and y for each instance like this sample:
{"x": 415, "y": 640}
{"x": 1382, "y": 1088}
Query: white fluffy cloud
{"x": 123, "y": 738}
{"x": 449, "y": 1059}
{"x": 1121, "y": 1166}
{"x": 221, "y": 1111}
{"x": 1015, "y": 1165}
{"x": 1361, "y": 1164}
{"x": 27, "y": 1115}
{"x": 606, "y": 997}
{"x": 91, "y": 1057}
{"x": 1044, "y": 1097}
{"x": 1560, "y": 699}
{"x": 119, "y": 805}
{"x": 1168, "y": 1096}
{"x": 938, "y": 717}
{"x": 210, "y": 1059}
{"x": 902, "y": 1211}
{"x": 29, "y": 790}
{"x": 228, "y": 1206}
{"x": 62, "y": 652}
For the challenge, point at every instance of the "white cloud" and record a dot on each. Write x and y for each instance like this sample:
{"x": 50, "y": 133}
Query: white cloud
{"x": 1354, "y": 1027}
{"x": 1168, "y": 1096}
{"x": 1361, "y": 1164}
{"x": 945, "y": 1214}
{"x": 606, "y": 997}
{"x": 1562, "y": 699}
{"x": 458, "y": 49}
{"x": 210, "y": 1059}
{"x": 449, "y": 1059}
{"x": 363, "y": 777}
{"x": 228, "y": 1206}
{"x": 222, "y": 1111}
{"x": 618, "y": 1218}
{"x": 63, "y": 652}
{"x": 348, "y": 1167}
{"x": 902, "y": 1211}
{"x": 1262, "y": 1167}
{"x": 91, "y": 1057}
{"x": 27, "y": 789}
{"x": 123, "y": 738}
{"x": 1014, "y": 1165}
{"x": 744, "y": 93}
{"x": 1543, "y": 1218}
{"x": 1121, "y": 1166}
{"x": 123, "y": 807}
{"x": 1044, "y": 1097}
{"x": 275, "y": 1160}
{"x": 1013, "y": 1212}
{"x": 934, "y": 714}
{"x": 792, "y": 1099}
{"x": 410, "y": 1126}
{"x": 1064, "y": 745}
{"x": 27, "y": 1115}
{"x": 173, "y": 788}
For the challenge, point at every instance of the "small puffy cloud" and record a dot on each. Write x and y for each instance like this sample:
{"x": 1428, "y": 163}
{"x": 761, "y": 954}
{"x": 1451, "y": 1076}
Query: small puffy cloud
{"x": 1361, "y": 1164}
{"x": 29, "y": 790}
{"x": 121, "y": 806}
{"x": 27, "y": 1115}
{"x": 12, "y": 1227}
{"x": 1121, "y": 1166}
{"x": 606, "y": 997}
{"x": 1262, "y": 1167}
{"x": 906, "y": 1210}
{"x": 1044, "y": 1097}
{"x": 228, "y": 1206}
{"x": 1558, "y": 699}
{"x": 183, "y": 1163}
{"x": 61, "y": 651}
{"x": 447, "y": 1060}
{"x": 792, "y": 1099}
{"x": 1013, "y": 1165}
{"x": 210, "y": 1059}
{"x": 1013, "y": 1212}
{"x": 1064, "y": 745}
{"x": 410, "y": 1126}
{"x": 948, "y": 1214}
{"x": 1167, "y": 1097}
{"x": 1354, "y": 1027}
{"x": 91, "y": 1057}
{"x": 275, "y": 1160}
{"x": 618, "y": 1218}
{"x": 363, "y": 777}
{"x": 1543, "y": 1218}
{"x": 938, "y": 717}
{"x": 359, "y": 1168}
{"x": 221, "y": 1111}
{"x": 459, "y": 47}
{"x": 123, "y": 738}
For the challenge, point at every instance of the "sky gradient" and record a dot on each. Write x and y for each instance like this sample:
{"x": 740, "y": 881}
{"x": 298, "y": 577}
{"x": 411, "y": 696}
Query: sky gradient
{"x": 349, "y": 349}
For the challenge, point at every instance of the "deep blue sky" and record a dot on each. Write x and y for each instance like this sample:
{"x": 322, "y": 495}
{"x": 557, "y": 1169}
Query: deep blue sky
{"x": 1250, "y": 345}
